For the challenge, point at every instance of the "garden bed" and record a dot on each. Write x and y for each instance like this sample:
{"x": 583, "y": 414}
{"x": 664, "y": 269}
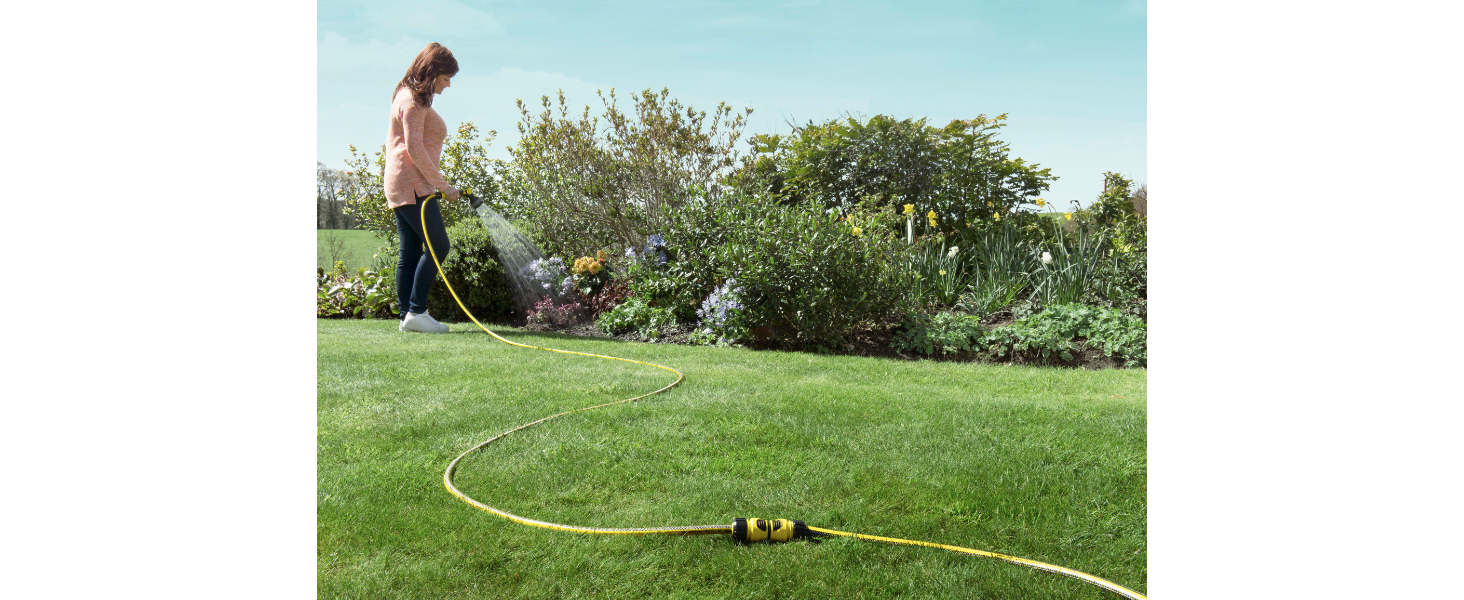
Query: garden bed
{"x": 875, "y": 344}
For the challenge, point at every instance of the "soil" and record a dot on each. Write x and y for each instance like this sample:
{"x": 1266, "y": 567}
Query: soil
{"x": 875, "y": 344}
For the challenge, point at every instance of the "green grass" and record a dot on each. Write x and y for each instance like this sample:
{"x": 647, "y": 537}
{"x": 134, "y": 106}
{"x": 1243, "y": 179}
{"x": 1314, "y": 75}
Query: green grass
{"x": 1039, "y": 463}
{"x": 358, "y": 246}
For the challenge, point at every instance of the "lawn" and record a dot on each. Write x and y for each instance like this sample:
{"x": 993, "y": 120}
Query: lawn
{"x": 1040, "y": 463}
{"x": 355, "y": 248}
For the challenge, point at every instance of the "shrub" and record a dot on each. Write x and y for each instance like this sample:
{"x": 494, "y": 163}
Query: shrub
{"x": 1052, "y": 336}
{"x": 473, "y": 270}
{"x": 364, "y": 296}
{"x": 636, "y": 314}
{"x": 813, "y": 278}
{"x": 947, "y": 333}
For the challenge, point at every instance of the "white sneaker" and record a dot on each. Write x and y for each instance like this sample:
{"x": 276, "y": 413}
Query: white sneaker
{"x": 422, "y": 322}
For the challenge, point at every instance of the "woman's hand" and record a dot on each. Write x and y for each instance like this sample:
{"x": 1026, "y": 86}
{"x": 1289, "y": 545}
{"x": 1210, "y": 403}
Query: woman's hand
{"x": 451, "y": 193}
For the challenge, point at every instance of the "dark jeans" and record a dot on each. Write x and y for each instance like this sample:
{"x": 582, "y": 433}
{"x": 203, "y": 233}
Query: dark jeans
{"x": 415, "y": 270}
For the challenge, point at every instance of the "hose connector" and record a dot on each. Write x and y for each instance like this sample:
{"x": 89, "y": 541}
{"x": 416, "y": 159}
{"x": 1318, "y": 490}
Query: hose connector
{"x": 772, "y": 530}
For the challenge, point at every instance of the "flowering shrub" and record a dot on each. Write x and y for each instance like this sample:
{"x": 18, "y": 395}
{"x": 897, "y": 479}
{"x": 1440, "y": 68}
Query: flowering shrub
{"x": 657, "y": 276}
{"x": 723, "y": 315}
{"x": 590, "y": 274}
{"x": 546, "y": 312}
{"x": 656, "y": 250}
{"x": 547, "y": 276}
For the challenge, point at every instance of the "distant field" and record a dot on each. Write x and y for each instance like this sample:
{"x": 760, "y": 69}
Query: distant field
{"x": 356, "y": 249}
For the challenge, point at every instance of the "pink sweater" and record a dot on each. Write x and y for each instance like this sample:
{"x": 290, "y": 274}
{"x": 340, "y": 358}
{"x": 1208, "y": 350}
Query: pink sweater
{"x": 413, "y": 149}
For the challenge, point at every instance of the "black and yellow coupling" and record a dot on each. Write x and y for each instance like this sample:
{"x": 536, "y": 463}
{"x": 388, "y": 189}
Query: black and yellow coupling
{"x": 771, "y": 530}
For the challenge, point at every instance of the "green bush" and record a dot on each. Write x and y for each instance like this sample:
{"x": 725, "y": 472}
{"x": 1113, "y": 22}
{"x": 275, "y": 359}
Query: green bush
{"x": 637, "y": 314}
{"x": 947, "y": 333}
{"x": 473, "y": 270}
{"x": 1052, "y": 336}
{"x": 811, "y": 277}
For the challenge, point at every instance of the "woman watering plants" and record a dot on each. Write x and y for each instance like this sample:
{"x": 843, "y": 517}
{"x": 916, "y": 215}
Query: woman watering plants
{"x": 413, "y": 149}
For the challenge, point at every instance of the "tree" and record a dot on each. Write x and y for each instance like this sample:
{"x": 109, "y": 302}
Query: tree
{"x": 332, "y": 187}
{"x": 464, "y": 164}
{"x": 585, "y": 188}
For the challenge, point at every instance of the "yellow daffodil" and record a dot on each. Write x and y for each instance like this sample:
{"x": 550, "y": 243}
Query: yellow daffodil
{"x": 931, "y": 216}
{"x": 1068, "y": 216}
{"x": 942, "y": 272}
{"x": 996, "y": 215}
{"x": 1041, "y": 203}
{"x": 909, "y": 209}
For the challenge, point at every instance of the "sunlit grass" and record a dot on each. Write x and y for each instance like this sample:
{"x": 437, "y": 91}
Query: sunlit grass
{"x": 1045, "y": 464}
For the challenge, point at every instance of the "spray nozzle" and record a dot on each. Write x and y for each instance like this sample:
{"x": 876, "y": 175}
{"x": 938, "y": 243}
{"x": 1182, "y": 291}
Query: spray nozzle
{"x": 473, "y": 201}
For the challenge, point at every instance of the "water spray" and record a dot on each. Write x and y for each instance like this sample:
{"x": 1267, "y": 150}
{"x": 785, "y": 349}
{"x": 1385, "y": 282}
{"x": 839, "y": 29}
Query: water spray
{"x": 744, "y": 529}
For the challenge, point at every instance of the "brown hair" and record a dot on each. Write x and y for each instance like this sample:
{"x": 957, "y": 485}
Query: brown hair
{"x": 432, "y": 61}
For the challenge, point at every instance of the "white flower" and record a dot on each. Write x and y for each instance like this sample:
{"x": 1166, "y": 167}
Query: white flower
{"x": 1046, "y": 258}
{"x": 952, "y": 253}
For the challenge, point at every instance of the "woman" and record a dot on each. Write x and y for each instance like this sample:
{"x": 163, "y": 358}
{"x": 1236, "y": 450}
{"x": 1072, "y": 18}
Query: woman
{"x": 413, "y": 149}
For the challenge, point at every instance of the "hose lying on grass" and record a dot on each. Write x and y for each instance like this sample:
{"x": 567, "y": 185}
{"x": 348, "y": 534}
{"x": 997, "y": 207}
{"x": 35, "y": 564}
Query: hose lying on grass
{"x": 745, "y": 529}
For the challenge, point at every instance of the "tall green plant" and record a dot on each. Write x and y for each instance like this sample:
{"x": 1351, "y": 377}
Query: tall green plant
{"x": 1069, "y": 269}
{"x": 940, "y": 272}
{"x": 584, "y": 186}
{"x": 1003, "y": 264}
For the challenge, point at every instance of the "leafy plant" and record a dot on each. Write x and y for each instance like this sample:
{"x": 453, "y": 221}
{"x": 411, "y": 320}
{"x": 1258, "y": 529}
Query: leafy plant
{"x": 939, "y": 272}
{"x": 961, "y": 171}
{"x": 637, "y": 314}
{"x": 1056, "y": 332}
{"x": 947, "y": 333}
{"x": 610, "y": 295}
{"x": 546, "y": 312}
{"x": 656, "y": 274}
{"x": 363, "y": 296}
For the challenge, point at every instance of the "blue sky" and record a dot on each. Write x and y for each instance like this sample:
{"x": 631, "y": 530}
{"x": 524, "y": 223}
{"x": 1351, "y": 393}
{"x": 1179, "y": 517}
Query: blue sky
{"x": 1070, "y": 75}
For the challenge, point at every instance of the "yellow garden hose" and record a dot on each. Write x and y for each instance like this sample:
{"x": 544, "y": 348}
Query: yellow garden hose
{"x": 745, "y": 529}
